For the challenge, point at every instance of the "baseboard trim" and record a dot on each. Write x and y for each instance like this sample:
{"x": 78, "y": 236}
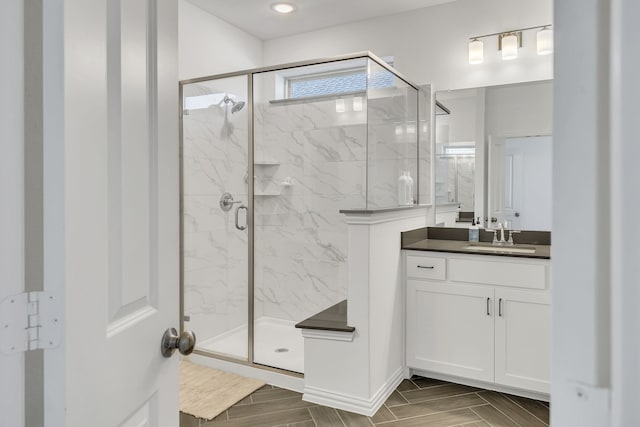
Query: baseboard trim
{"x": 481, "y": 384}
{"x": 367, "y": 407}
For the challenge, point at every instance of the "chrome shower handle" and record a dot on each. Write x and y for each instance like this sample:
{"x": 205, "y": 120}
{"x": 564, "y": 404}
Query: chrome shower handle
{"x": 238, "y": 226}
{"x": 226, "y": 202}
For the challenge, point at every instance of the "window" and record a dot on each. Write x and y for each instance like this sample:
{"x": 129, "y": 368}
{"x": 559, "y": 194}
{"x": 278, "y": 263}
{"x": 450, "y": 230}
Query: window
{"x": 336, "y": 83}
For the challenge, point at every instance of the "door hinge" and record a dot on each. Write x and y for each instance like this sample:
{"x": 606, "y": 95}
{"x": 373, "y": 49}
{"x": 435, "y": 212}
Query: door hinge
{"x": 30, "y": 321}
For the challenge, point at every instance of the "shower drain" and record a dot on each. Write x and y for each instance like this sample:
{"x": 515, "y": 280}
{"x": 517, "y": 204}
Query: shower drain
{"x": 281, "y": 350}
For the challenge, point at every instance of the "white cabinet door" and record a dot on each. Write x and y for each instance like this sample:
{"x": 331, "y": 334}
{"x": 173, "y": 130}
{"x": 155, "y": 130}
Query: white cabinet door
{"x": 523, "y": 339}
{"x": 450, "y": 329}
{"x": 111, "y": 210}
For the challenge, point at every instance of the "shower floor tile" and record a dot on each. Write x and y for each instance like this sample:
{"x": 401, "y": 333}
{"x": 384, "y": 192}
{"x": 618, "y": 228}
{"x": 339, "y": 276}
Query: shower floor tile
{"x": 277, "y": 343}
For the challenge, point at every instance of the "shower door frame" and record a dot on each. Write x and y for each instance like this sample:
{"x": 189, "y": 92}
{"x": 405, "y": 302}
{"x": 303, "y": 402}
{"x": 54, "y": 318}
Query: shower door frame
{"x": 250, "y": 73}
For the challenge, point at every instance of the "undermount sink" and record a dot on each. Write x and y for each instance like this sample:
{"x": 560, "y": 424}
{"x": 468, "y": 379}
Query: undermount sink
{"x": 501, "y": 249}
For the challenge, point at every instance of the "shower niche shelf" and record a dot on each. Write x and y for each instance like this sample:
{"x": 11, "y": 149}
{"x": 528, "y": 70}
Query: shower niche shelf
{"x": 266, "y": 163}
{"x": 266, "y": 193}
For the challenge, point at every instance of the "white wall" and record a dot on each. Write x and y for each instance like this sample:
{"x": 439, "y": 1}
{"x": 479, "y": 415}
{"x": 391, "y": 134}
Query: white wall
{"x": 460, "y": 124}
{"x": 430, "y": 45}
{"x": 521, "y": 110}
{"x": 581, "y": 371}
{"x": 209, "y": 45}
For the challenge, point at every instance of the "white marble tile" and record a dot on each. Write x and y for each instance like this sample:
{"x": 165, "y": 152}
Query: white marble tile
{"x": 203, "y": 213}
{"x": 318, "y": 285}
{"x": 300, "y": 236}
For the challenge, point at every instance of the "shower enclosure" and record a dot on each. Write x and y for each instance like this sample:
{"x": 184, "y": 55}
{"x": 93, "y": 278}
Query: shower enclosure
{"x": 270, "y": 158}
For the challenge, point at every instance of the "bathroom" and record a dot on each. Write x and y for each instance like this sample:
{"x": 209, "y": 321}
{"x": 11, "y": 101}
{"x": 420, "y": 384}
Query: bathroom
{"x": 429, "y": 46}
{"x": 307, "y": 165}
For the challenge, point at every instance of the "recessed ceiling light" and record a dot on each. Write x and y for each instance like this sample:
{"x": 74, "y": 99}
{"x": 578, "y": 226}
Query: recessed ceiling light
{"x": 283, "y": 7}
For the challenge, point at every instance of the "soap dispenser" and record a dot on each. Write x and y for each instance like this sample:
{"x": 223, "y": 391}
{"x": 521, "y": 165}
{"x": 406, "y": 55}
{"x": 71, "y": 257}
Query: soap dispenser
{"x": 474, "y": 232}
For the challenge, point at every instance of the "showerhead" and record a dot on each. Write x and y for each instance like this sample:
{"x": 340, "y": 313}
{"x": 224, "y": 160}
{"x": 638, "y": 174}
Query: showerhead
{"x": 236, "y": 105}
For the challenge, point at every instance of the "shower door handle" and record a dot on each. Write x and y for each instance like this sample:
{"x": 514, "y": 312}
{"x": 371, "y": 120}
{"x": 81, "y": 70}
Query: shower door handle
{"x": 238, "y": 226}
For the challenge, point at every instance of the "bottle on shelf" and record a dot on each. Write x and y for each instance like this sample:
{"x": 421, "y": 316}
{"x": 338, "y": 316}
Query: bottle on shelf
{"x": 405, "y": 189}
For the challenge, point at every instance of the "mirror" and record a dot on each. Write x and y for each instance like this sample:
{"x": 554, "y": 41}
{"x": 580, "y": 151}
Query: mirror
{"x": 493, "y": 156}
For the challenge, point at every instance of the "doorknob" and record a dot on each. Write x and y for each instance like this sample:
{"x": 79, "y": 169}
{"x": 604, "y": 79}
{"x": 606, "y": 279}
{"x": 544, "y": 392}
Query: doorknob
{"x": 185, "y": 342}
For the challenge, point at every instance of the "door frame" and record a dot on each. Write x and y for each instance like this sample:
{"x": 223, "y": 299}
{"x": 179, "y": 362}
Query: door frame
{"x": 12, "y": 208}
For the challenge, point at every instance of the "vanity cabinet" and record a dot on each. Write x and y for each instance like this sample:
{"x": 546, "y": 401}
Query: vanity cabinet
{"x": 478, "y": 317}
{"x": 448, "y": 330}
{"x": 523, "y": 339}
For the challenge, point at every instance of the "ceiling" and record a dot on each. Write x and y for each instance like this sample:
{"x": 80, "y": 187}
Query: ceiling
{"x": 256, "y": 17}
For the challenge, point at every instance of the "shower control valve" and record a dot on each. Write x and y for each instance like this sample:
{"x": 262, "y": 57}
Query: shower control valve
{"x": 227, "y": 202}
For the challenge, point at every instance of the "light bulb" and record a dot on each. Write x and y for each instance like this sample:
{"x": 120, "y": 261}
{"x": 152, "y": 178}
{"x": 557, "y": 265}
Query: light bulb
{"x": 357, "y": 103}
{"x": 340, "y": 105}
{"x": 509, "y": 47}
{"x": 544, "y": 41}
{"x": 476, "y": 52}
{"x": 283, "y": 7}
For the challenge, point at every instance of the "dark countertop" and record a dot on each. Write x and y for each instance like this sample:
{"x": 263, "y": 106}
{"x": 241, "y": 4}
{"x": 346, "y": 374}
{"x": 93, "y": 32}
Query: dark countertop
{"x": 454, "y": 240}
{"x": 333, "y": 318}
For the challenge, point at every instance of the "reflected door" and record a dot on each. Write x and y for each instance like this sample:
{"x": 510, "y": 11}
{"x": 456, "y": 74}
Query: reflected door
{"x": 520, "y": 182}
{"x": 214, "y": 214}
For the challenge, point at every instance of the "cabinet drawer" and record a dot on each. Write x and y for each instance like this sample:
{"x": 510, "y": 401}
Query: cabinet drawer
{"x": 522, "y": 275}
{"x": 426, "y": 268}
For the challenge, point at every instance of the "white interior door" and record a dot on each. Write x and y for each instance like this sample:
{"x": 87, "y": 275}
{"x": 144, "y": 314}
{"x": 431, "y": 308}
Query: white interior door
{"x": 111, "y": 210}
{"x": 11, "y": 198}
{"x": 520, "y": 181}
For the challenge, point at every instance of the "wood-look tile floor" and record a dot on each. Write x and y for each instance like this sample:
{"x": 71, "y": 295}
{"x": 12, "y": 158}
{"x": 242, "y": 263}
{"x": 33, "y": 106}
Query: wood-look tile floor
{"x": 416, "y": 402}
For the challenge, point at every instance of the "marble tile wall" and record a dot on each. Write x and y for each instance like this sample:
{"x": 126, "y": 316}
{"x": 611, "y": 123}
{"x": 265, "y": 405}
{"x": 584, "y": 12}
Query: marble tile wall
{"x": 466, "y": 182}
{"x": 392, "y": 139}
{"x": 300, "y": 236}
{"x": 215, "y": 252}
{"x": 309, "y": 163}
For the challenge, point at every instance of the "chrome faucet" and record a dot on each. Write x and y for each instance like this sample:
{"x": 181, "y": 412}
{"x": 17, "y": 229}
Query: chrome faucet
{"x": 511, "y": 233}
{"x": 496, "y": 241}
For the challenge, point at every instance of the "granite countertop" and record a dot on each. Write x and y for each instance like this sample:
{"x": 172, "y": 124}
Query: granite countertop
{"x": 333, "y": 318}
{"x": 455, "y": 240}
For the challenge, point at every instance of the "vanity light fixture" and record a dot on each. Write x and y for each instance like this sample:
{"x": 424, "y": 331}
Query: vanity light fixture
{"x": 357, "y": 103}
{"x": 283, "y": 8}
{"x": 476, "y": 51}
{"x": 544, "y": 41}
{"x": 510, "y": 41}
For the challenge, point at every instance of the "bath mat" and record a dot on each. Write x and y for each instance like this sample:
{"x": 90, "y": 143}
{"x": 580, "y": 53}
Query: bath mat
{"x": 206, "y": 392}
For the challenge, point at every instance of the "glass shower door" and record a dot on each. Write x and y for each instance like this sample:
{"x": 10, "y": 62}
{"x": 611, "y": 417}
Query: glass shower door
{"x": 214, "y": 214}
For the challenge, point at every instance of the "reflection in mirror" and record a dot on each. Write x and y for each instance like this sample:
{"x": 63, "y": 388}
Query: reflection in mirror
{"x": 520, "y": 182}
{"x": 493, "y": 156}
